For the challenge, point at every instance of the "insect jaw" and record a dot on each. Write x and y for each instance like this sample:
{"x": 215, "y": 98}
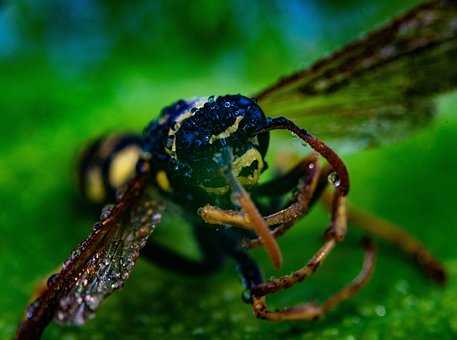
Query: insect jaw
{"x": 241, "y": 198}
{"x": 246, "y": 168}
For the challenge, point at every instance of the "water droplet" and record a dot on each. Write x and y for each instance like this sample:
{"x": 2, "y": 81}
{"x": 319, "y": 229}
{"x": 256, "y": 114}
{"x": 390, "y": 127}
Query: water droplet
{"x": 198, "y": 331}
{"x": 333, "y": 332}
{"x": 249, "y": 329}
{"x": 380, "y": 310}
{"x": 91, "y": 301}
{"x": 210, "y": 99}
{"x": 355, "y": 320}
{"x": 31, "y": 309}
{"x": 155, "y": 219}
{"x": 334, "y": 179}
{"x": 402, "y": 286}
{"x": 52, "y": 279}
{"x": 116, "y": 285}
{"x": 246, "y": 296}
{"x": 60, "y": 316}
{"x": 227, "y": 104}
{"x": 80, "y": 316}
{"x": 235, "y": 199}
{"x": 96, "y": 226}
{"x": 119, "y": 193}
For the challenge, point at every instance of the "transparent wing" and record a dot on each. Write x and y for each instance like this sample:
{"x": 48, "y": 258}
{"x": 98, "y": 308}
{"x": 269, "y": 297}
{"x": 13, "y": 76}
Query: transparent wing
{"x": 378, "y": 88}
{"x": 99, "y": 265}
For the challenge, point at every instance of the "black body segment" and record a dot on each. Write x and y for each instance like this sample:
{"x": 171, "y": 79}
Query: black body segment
{"x": 185, "y": 145}
{"x": 106, "y": 164}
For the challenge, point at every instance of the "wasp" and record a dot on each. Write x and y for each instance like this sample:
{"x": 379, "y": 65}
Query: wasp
{"x": 206, "y": 155}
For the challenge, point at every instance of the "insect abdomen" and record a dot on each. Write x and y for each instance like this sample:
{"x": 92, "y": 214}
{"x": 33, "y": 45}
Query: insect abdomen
{"x": 107, "y": 164}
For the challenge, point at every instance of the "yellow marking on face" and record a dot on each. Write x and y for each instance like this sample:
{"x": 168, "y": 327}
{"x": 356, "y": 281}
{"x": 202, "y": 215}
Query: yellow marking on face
{"x": 123, "y": 166}
{"x": 94, "y": 185}
{"x": 238, "y": 164}
{"x": 163, "y": 181}
{"x": 227, "y": 132}
{"x": 246, "y": 160}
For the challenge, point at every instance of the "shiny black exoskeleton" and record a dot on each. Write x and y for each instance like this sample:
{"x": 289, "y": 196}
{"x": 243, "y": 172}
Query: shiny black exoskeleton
{"x": 183, "y": 148}
{"x": 185, "y": 144}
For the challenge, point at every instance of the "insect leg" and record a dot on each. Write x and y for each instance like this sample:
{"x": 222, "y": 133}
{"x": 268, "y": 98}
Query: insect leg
{"x": 248, "y": 269}
{"x": 249, "y": 272}
{"x": 389, "y": 232}
{"x": 308, "y": 170}
{"x": 306, "y": 174}
{"x": 333, "y": 235}
{"x": 311, "y": 311}
{"x": 164, "y": 257}
{"x": 288, "y": 180}
{"x": 214, "y": 215}
{"x": 342, "y": 176}
{"x": 398, "y": 237}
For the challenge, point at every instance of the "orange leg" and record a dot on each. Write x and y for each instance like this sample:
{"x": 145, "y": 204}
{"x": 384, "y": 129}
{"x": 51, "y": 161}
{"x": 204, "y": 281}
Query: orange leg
{"x": 334, "y": 234}
{"x": 312, "y": 311}
{"x": 398, "y": 237}
{"x": 306, "y": 173}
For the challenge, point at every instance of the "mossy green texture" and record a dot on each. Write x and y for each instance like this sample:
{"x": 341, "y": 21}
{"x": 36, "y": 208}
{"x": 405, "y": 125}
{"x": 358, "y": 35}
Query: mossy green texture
{"x": 48, "y": 115}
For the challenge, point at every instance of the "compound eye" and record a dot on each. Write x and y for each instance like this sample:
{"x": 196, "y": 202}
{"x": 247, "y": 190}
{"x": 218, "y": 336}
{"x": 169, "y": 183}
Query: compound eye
{"x": 107, "y": 164}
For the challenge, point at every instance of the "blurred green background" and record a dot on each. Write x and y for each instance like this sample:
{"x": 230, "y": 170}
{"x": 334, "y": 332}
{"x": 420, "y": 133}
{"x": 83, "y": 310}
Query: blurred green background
{"x": 70, "y": 70}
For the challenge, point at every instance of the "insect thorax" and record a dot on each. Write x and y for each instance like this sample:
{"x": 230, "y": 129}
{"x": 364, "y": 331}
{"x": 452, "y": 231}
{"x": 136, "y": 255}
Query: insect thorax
{"x": 185, "y": 142}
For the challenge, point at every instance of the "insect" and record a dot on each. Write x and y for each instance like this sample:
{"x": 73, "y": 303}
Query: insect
{"x": 206, "y": 155}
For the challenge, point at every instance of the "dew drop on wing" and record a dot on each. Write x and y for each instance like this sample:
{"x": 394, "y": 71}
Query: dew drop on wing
{"x": 155, "y": 218}
{"x": 52, "y": 279}
{"x": 106, "y": 211}
{"x": 31, "y": 309}
{"x": 96, "y": 226}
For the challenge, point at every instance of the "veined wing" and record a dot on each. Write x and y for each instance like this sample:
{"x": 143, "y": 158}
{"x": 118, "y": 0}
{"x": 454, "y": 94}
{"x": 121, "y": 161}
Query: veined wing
{"x": 99, "y": 265}
{"x": 377, "y": 88}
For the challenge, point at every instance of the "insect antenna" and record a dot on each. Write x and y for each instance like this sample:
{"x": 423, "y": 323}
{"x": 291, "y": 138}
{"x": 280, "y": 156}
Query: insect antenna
{"x": 341, "y": 181}
{"x": 242, "y": 198}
